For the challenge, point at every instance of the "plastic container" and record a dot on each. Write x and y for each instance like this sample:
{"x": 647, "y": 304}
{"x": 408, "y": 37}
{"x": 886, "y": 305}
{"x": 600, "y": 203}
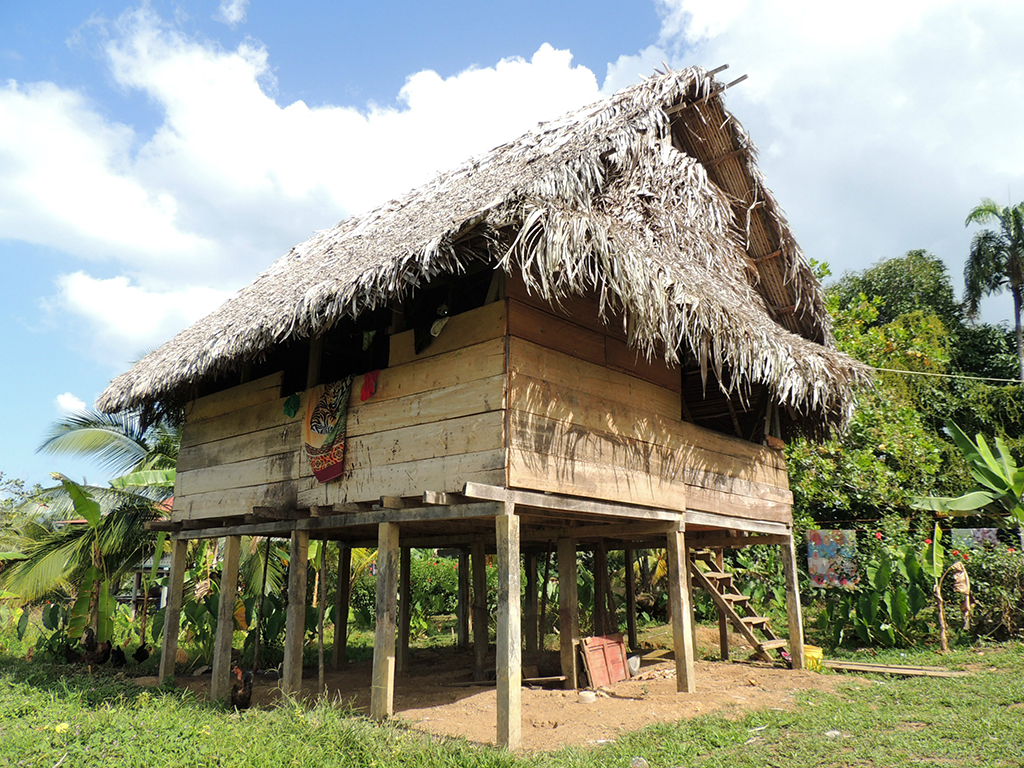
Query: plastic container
{"x": 813, "y": 657}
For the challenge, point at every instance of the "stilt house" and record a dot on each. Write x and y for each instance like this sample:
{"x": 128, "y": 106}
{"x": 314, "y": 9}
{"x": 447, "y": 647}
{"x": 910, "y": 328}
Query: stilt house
{"x": 598, "y": 335}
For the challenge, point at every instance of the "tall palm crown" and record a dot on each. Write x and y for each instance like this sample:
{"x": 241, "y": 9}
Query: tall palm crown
{"x": 996, "y": 261}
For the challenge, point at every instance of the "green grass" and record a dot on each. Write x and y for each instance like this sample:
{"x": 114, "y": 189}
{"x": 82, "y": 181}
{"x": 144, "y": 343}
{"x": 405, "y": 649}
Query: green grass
{"x": 105, "y": 720}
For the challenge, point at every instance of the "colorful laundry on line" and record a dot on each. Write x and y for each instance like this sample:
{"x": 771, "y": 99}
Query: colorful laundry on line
{"x": 326, "y": 425}
{"x": 832, "y": 558}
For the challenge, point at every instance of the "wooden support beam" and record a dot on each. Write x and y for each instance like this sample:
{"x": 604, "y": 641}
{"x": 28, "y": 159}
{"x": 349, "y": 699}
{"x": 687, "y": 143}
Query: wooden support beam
{"x": 382, "y": 685}
{"x": 161, "y": 525}
{"x": 404, "y": 609}
{"x": 295, "y": 620}
{"x": 509, "y": 667}
{"x": 339, "y": 654}
{"x": 732, "y": 522}
{"x": 715, "y": 540}
{"x": 682, "y": 611}
{"x": 794, "y": 614}
{"x": 278, "y": 513}
{"x": 531, "y": 628}
{"x": 723, "y": 620}
{"x": 567, "y": 503}
{"x": 568, "y": 612}
{"x": 220, "y": 682}
{"x": 479, "y": 564}
{"x": 601, "y": 626}
{"x": 463, "y": 608}
{"x": 172, "y": 615}
{"x": 442, "y": 499}
{"x": 630, "y": 557}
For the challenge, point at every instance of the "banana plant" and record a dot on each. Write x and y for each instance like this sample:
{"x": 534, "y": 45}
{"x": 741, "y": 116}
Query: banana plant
{"x": 1000, "y": 483}
{"x": 94, "y": 605}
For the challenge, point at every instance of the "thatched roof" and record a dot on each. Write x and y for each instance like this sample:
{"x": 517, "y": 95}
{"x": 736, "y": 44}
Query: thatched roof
{"x": 651, "y": 198}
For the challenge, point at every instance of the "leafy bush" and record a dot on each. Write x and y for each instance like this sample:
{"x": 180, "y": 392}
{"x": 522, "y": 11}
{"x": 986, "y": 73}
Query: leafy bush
{"x": 997, "y": 587}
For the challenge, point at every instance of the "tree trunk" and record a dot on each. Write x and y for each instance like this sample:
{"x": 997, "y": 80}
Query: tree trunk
{"x": 1019, "y": 332}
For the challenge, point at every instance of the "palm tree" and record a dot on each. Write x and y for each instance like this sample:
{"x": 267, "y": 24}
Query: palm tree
{"x": 57, "y": 557}
{"x": 996, "y": 261}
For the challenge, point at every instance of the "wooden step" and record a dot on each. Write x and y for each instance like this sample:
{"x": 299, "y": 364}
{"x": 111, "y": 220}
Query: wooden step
{"x": 717, "y": 575}
{"x": 736, "y": 598}
{"x": 754, "y": 621}
{"x": 768, "y": 645}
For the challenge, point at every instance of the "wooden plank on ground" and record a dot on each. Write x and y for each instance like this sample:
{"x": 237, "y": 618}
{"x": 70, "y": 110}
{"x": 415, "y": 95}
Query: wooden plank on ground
{"x": 462, "y": 330}
{"x": 605, "y": 657}
{"x": 892, "y": 669}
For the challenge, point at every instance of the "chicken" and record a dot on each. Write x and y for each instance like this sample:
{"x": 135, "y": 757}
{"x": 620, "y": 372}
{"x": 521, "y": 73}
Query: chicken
{"x": 141, "y": 653}
{"x": 241, "y": 690}
{"x": 117, "y": 657}
{"x": 89, "y": 640}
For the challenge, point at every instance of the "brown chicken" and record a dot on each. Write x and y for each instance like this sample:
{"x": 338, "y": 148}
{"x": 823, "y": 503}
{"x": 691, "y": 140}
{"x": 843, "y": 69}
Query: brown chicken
{"x": 241, "y": 690}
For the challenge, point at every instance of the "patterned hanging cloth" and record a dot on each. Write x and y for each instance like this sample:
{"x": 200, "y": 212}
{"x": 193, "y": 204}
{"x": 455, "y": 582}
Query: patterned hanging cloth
{"x": 326, "y": 424}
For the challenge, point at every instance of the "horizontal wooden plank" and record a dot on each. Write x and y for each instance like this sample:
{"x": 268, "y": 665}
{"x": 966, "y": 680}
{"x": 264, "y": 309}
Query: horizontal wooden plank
{"x": 733, "y": 505}
{"x": 446, "y": 474}
{"x": 239, "y": 474}
{"x": 620, "y": 356}
{"x": 582, "y": 310}
{"x": 259, "y": 391}
{"x": 546, "y": 330}
{"x": 480, "y": 361}
{"x": 579, "y": 477}
{"x": 462, "y": 330}
{"x": 566, "y": 446}
{"x": 548, "y": 365}
{"x": 234, "y": 501}
{"x": 699, "y": 450}
{"x": 251, "y": 418}
{"x": 463, "y": 399}
{"x": 468, "y": 434}
{"x": 567, "y": 504}
{"x": 242, "y": 447}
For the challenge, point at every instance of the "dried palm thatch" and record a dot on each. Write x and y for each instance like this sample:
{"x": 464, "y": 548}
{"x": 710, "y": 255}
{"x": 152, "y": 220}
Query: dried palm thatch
{"x": 650, "y": 198}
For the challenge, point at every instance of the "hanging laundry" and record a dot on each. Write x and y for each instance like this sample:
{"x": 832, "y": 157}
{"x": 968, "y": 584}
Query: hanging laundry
{"x": 326, "y": 423}
{"x": 291, "y": 406}
{"x": 369, "y": 385}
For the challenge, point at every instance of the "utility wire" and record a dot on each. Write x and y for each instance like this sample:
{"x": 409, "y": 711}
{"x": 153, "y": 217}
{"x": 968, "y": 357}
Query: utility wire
{"x": 946, "y": 375}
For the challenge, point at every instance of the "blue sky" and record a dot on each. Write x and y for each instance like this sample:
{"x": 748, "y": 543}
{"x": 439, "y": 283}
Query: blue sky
{"x": 154, "y": 158}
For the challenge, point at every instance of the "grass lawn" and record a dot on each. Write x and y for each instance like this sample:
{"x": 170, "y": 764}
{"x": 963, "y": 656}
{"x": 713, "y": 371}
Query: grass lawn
{"x": 47, "y": 718}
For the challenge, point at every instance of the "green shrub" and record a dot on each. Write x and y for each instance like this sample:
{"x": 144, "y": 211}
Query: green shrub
{"x": 997, "y": 587}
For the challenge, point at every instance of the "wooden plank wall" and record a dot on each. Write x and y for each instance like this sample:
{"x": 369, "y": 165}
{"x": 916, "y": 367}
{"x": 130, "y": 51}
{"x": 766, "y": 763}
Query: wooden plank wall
{"x": 238, "y": 451}
{"x": 588, "y": 417}
{"x": 436, "y": 421}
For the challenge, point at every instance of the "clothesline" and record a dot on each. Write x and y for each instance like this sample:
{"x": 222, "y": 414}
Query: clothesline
{"x": 947, "y": 375}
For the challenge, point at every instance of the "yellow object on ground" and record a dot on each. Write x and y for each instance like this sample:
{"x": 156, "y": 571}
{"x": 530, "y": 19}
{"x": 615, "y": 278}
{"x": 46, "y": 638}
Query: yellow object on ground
{"x": 813, "y": 657}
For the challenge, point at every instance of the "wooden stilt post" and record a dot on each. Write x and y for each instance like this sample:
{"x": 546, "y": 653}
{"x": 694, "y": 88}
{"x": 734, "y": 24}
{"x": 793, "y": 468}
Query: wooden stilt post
{"x": 463, "y": 607}
{"x": 601, "y": 626}
{"x": 341, "y": 606}
{"x": 220, "y": 682}
{"x": 295, "y": 623}
{"x": 508, "y": 652}
{"x": 682, "y": 610}
{"x": 404, "y": 609}
{"x": 172, "y": 617}
{"x": 382, "y": 685}
{"x": 793, "y": 611}
{"x": 630, "y": 557}
{"x": 723, "y": 622}
{"x": 479, "y": 610}
{"x": 568, "y": 612}
{"x": 530, "y": 617}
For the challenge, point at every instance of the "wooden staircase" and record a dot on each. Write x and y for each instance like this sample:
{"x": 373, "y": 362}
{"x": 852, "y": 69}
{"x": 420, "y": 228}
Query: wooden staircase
{"x": 707, "y": 572}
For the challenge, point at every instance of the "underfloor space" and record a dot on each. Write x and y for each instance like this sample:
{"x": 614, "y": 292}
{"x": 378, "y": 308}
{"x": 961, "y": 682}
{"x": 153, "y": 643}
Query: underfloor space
{"x": 433, "y": 695}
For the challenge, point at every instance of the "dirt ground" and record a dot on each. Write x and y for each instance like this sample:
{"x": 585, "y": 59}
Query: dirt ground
{"x": 435, "y": 694}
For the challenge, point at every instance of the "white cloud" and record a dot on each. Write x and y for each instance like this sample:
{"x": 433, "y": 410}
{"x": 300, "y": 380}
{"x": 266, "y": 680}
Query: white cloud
{"x": 123, "y": 320}
{"x": 882, "y": 123}
{"x": 230, "y": 179}
{"x": 232, "y": 12}
{"x": 67, "y": 404}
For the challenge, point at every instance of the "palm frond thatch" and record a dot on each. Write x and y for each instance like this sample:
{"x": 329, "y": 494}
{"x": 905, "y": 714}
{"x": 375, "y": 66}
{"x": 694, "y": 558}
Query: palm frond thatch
{"x": 651, "y": 198}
